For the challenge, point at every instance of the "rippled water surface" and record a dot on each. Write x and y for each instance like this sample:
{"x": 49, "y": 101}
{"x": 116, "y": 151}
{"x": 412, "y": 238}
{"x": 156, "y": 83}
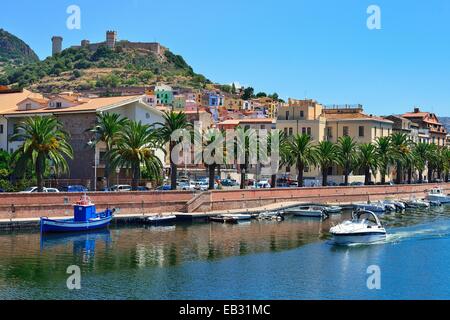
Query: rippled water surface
{"x": 294, "y": 259}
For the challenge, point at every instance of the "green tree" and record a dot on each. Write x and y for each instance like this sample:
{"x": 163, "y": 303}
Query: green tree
{"x": 347, "y": 150}
{"x": 401, "y": 146}
{"x": 326, "y": 155}
{"x": 300, "y": 153}
{"x": 367, "y": 161}
{"x": 248, "y": 93}
{"x": 173, "y": 121}
{"x": 420, "y": 154}
{"x": 277, "y": 144}
{"x": 44, "y": 140}
{"x": 106, "y": 131}
{"x": 385, "y": 155}
{"x": 135, "y": 147}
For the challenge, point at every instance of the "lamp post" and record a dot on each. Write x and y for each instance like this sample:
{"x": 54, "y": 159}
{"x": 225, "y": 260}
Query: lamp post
{"x": 91, "y": 144}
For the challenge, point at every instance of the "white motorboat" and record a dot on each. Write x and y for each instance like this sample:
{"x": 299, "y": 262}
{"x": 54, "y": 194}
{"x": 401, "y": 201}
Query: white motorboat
{"x": 437, "y": 194}
{"x": 365, "y": 227}
{"x": 399, "y": 206}
{"x": 160, "y": 219}
{"x": 270, "y": 215}
{"x": 416, "y": 203}
{"x": 333, "y": 209}
{"x": 373, "y": 207}
{"x": 231, "y": 218}
{"x": 310, "y": 211}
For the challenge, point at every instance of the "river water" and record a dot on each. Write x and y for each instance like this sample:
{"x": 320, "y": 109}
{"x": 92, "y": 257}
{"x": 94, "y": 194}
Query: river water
{"x": 294, "y": 259}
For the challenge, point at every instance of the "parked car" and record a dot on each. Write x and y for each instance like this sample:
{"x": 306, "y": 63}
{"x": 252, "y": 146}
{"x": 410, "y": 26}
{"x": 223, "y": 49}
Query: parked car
{"x": 186, "y": 186}
{"x": 165, "y": 187}
{"x": 356, "y": 184}
{"x": 143, "y": 188}
{"x": 229, "y": 182}
{"x": 35, "y": 189}
{"x": 262, "y": 184}
{"x": 75, "y": 188}
{"x": 121, "y": 188}
{"x": 1, "y": 190}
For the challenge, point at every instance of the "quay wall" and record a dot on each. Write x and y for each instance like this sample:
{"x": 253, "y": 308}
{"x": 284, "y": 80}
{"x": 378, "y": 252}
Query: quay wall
{"x": 237, "y": 199}
{"x": 26, "y": 206}
{"x": 34, "y": 205}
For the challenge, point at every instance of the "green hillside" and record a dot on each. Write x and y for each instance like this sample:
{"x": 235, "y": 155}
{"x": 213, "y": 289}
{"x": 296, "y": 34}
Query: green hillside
{"x": 14, "y": 51}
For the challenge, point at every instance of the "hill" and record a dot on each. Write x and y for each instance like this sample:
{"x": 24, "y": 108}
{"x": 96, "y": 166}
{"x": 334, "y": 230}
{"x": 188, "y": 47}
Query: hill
{"x": 80, "y": 69}
{"x": 14, "y": 52}
{"x": 446, "y": 122}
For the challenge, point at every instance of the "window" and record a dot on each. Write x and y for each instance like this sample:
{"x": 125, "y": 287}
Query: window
{"x": 329, "y": 132}
{"x": 58, "y": 105}
{"x": 361, "y": 131}
{"x": 303, "y": 130}
{"x": 345, "y": 131}
{"x": 1, "y": 128}
{"x": 302, "y": 114}
{"x": 290, "y": 131}
{"x": 308, "y": 131}
{"x": 287, "y": 115}
{"x": 285, "y": 131}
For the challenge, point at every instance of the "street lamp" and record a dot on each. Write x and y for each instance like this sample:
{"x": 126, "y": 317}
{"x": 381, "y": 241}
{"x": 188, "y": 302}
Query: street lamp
{"x": 92, "y": 144}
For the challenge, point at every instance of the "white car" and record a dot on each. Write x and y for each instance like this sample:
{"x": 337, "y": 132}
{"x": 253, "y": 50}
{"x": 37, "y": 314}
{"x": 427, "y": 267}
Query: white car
{"x": 186, "y": 186}
{"x": 121, "y": 188}
{"x": 35, "y": 189}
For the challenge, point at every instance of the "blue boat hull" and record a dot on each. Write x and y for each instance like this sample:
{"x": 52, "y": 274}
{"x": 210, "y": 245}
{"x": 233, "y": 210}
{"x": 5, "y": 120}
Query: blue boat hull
{"x": 70, "y": 225}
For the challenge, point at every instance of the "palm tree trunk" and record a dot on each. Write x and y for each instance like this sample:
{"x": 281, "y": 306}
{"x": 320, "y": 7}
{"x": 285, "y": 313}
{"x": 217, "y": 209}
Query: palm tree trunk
{"x": 106, "y": 174}
{"x": 212, "y": 171}
{"x": 173, "y": 169}
{"x": 367, "y": 176}
{"x": 242, "y": 177}
{"x": 420, "y": 176}
{"x": 39, "y": 168}
{"x": 430, "y": 174}
{"x": 410, "y": 173}
{"x": 300, "y": 169}
{"x": 399, "y": 173}
{"x": 136, "y": 176}
{"x": 324, "y": 177}
{"x": 346, "y": 174}
{"x": 447, "y": 176}
{"x": 274, "y": 181}
{"x": 383, "y": 176}
{"x": 219, "y": 171}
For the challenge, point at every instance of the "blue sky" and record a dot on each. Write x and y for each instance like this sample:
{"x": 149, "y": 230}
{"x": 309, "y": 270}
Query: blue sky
{"x": 318, "y": 49}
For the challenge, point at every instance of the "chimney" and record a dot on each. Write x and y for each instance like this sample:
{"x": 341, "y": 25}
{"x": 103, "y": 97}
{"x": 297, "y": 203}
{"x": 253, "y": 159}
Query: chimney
{"x": 416, "y": 110}
{"x": 56, "y": 45}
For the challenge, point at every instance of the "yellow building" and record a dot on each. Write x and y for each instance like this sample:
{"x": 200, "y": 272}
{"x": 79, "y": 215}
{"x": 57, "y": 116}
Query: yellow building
{"x": 310, "y": 117}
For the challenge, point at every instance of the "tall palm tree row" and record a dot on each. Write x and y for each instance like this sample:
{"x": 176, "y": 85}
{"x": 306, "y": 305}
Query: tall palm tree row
{"x": 299, "y": 153}
{"x": 44, "y": 141}
{"x": 106, "y": 130}
{"x": 134, "y": 148}
{"x": 347, "y": 150}
{"x": 326, "y": 155}
{"x": 173, "y": 121}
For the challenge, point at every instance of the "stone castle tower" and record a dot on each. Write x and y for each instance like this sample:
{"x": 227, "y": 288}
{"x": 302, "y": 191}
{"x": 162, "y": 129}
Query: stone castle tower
{"x": 56, "y": 45}
{"x": 111, "y": 38}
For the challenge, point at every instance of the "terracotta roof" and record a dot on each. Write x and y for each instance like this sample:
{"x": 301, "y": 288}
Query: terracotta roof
{"x": 91, "y": 105}
{"x": 42, "y": 101}
{"x": 353, "y": 116}
{"x": 9, "y": 101}
{"x": 249, "y": 120}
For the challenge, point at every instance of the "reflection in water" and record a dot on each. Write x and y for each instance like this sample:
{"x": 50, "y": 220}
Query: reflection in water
{"x": 156, "y": 259}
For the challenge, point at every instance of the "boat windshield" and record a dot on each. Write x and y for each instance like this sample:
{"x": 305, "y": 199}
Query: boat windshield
{"x": 365, "y": 216}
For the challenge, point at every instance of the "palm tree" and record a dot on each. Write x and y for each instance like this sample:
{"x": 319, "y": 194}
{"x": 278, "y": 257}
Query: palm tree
{"x": 433, "y": 159}
{"x": 326, "y": 155}
{"x": 446, "y": 157}
{"x": 280, "y": 144}
{"x": 212, "y": 141}
{"x": 346, "y": 148}
{"x": 401, "y": 144}
{"x": 43, "y": 140}
{"x": 420, "y": 154}
{"x": 385, "y": 156}
{"x": 367, "y": 160}
{"x": 106, "y": 130}
{"x": 135, "y": 147}
{"x": 300, "y": 153}
{"x": 245, "y": 147}
{"x": 173, "y": 121}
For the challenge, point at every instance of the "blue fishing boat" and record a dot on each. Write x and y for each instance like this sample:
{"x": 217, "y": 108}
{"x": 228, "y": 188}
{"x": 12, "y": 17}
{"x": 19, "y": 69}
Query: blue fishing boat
{"x": 85, "y": 218}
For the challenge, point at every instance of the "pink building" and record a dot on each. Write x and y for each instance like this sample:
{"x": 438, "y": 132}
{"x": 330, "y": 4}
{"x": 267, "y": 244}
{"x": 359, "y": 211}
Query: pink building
{"x": 191, "y": 105}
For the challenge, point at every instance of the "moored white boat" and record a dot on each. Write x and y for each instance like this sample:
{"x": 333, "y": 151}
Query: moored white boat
{"x": 437, "y": 194}
{"x": 416, "y": 203}
{"x": 365, "y": 227}
{"x": 373, "y": 207}
{"x": 160, "y": 219}
{"x": 332, "y": 209}
{"x": 310, "y": 211}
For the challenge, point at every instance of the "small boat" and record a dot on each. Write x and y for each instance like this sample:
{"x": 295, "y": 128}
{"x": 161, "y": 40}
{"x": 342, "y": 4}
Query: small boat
{"x": 160, "y": 219}
{"x": 437, "y": 194}
{"x": 435, "y": 203}
{"x": 231, "y": 218}
{"x": 416, "y": 203}
{"x": 373, "y": 207}
{"x": 311, "y": 211}
{"x": 85, "y": 218}
{"x": 365, "y": 227}
{"x": 399, "y": 206}
{"x": 333, "y": 209}
{"x": 271, "y": 215}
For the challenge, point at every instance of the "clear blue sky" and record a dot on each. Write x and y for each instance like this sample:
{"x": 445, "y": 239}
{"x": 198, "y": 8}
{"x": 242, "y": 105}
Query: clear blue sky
{"x": 320, "y": 49}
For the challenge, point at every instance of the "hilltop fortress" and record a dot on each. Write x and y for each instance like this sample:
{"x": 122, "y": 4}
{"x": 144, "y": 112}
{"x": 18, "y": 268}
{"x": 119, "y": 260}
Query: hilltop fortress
{"x": 111, "y": 42}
